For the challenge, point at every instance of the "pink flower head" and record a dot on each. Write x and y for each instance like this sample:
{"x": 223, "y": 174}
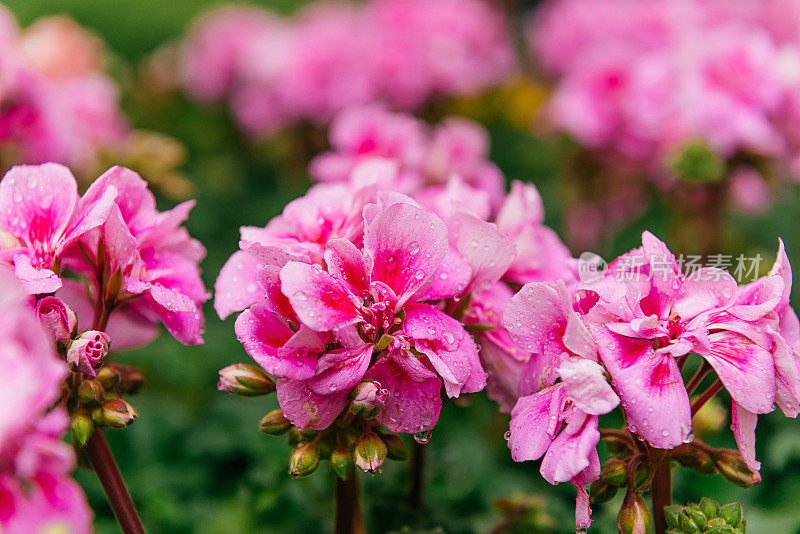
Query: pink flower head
{"x": 657, "y": 314}
{"x": 150, "y": 250}
{"x": 564, "y": 386}
{"x": 41, "y": 217}
{"x": 88, "y": 351}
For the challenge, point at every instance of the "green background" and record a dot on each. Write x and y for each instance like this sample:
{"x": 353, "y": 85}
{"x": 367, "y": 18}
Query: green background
{"x": 195, "y": 461}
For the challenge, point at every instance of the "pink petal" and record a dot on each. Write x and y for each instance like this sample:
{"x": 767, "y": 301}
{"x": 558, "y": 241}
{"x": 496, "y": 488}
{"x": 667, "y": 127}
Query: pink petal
{"x": 757, "y": 299}
{"x": 572, "y": 450}
{"x": 412, "y": 406}
{"x": 743, "y": 424}
{"x": 488, "y": 252}
{"x": 746, "y": 370}
{"x": 89, "y": 216}
{"x": 450, "y": 349}
{"x": 262, "y": 333}
{"x": 406, "y": 245}
{"x": 306, "y": 409}
{"x": 122, "y": 249}
{"x": 185, "y": 326}
{"x": 523, "y": 206}
{"x": 583, "y": 514}
{"x": 535, "y": 422}
{"x": 236, "y": 287}
{"x": 707, "y": 288}
{"x": 347, "y": 264}
{"x": 340, "y": 370}
{"x": 585, "y": 384}
{"x": 449, "y": 280}
{"x": 37, "y": 203}
{"x": 783, "y": 268}
{"x": 35, "y": 281}
{"x": 320, "y": 301}
{"x": 787, "y": 375}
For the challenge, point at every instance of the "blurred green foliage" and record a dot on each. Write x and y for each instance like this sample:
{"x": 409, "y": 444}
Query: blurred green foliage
{"x": 195, "y": 461}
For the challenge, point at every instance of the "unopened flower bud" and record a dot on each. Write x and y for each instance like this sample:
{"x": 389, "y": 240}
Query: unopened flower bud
{"x": 395, "y": 448}
{"x": 370, "y": 453}
{"x": 692, "y": 520}
{"x": 672, "y": 515}
{"x": 634, "y": 517}
{"x": 274, "y": 423}
{"x": 245, "y": 380}
{"x": 694, "y": 458}
{"x": 57, "y": 318}
{"x": 87, "y": 352}
{"x": 131, "y": 379}
{"x": 118, "y": 414}
{"x": 303, "y": 460}
{"x": 615, "y": 472}
{"x": 731, "y": 465}
{"x": 602, "y": 491}
{"x": 91, "y": 392}
{"x": 369, "y": 399}
{"x": 709, "y": 507}
{"x": 341, "y": 462}
{"x": 732, "y": 514}
{"x": 82, "y": 428}
{"x": 108, "y": 377}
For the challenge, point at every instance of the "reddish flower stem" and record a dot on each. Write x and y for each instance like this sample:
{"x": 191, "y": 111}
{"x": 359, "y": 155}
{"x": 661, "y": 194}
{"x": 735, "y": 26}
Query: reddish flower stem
{"x": 698, "y": 377}
{"x": 706, "y": 395}
{"x": 348, "y": 518}
{"x": 417, "y": 476}
{"x": 102, "y": 460}
{"x": 661, "y": 494}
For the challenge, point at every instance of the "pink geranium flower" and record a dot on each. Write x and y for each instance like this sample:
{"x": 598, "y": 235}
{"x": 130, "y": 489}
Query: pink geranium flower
{"x": 41, "y": 217}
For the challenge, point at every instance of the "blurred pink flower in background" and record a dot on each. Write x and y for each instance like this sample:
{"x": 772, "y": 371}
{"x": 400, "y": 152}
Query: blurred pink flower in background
{"x": 56, "y": 103}
{"x": 277, "y": 71}
{"x": 36, "y": 492}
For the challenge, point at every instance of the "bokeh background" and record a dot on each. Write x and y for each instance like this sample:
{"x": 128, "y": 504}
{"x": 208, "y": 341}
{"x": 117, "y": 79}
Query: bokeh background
{"x": 195, "y": 461}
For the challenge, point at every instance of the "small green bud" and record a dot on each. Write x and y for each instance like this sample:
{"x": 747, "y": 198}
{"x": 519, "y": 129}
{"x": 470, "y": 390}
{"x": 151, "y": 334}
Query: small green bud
{"x": 108, "y": 378}
{"x": 370, "y": 453}
{"x": 634, "y": 516}
{"x": 615, "y": 472}
{"x": 709, "y": 507}
{"x": 687, "y": 523}
{"x": 697, "y": 162}
{"x": 395, "y": 448}
{"x": 82, "y": 428}
{"x": 698, "y": 518}
{"x": 303, "y": 460}
{"x": 732, "y": 514}
{"x": 91, "y": 392}
{"x": 274, "y": 423}
{"x": 672, "y": 515}
{"x": 602, "y": 491}
{"x": 341, "y": 462}
{"x": 245, "y": 380}
{"x": 383, "y": 343}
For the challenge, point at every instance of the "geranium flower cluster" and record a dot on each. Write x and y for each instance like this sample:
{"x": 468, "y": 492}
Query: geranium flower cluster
{"x": 643, "y": 79}
{"x": 275, "y": 71}
{"x": 36, "y": 491}
{"x": 371, "y": 291}
{"x": 55, "y": 102}
{"x": 622, "y": 336}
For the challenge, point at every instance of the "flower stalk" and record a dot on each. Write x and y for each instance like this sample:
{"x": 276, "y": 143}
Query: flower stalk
{"x": 349, "y": 518}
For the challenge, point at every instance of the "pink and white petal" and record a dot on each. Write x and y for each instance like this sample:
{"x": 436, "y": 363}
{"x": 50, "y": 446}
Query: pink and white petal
{"x": 406, "y": 245}
{"x": 340, "y": 370}
{"x": 783, "y": 268}
{"x": 666, "y": 273}
{"x": 487, "y": 251}
{"x": 745, "y": 368}
{"x": 655, "y": 400}
{"x": 35, "y": 281}
{"x": 585, "y": 384}
{"x": 583, "y": 513}
{"x": 706, "y": 289}
{"x": 237, "y": 286}
{"x": 450, "y": 349}
{"x": 37, "y": 203}
{"x": 523, "y": 206}
{"x": 535, "y": 422}
{"x": 787, "y": 377}
{"x": 89, "y": 216}
{"x": 122, "y": 249}
{"x": 449, "y": 280}
{"x": 171, "y": 299}
{"x": 320, "y": 301}
{"x": 500, "y": 359}
{"x": 185, "y": 326}
{"x": 347, "y": 264}
{"x": 572, "y": 450}
{"x": 411, "y": 406}
{"x": 263, "y": 334}
{"x": 759, "y": 298}
{"x": 133, "y": 196}
{"x": 743, "y": 424}
{"x": 306, "y": 409}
